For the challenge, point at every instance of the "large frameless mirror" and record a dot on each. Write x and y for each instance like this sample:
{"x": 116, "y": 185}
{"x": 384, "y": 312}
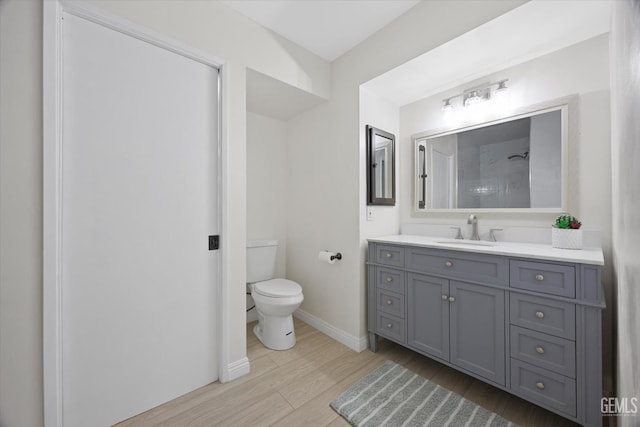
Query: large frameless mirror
{"x": 512, "y": 164}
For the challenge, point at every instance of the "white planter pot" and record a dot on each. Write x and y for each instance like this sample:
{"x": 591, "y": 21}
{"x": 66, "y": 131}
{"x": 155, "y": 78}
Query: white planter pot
{"x": 566, "y": 238}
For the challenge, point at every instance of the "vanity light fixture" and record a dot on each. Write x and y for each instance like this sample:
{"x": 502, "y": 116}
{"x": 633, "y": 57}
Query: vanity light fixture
{"x": 447, "y": 105}
{"x": 502, "y": 86}
{"x": 474, "y": 97}
{"x": 476, "y": 94}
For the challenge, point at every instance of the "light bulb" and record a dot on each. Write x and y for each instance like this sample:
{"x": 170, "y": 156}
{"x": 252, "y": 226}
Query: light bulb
{"x": 473, "y": 98}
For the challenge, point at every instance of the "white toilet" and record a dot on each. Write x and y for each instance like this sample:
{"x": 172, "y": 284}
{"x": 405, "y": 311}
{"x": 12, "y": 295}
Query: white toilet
{"x": 275, "y": 299}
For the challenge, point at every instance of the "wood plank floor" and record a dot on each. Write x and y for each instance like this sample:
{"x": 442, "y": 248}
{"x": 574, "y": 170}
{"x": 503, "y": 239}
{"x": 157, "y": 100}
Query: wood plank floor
{"x": 295, "y": 387}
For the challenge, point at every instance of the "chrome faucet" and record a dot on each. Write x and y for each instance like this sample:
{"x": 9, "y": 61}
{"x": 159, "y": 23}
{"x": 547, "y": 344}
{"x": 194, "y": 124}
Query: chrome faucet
{"x": 492, "y": 235}
{"x": 473, "y": 220}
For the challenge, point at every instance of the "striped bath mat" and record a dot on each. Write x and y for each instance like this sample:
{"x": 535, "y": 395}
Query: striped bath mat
{"x": 394, "y": 396}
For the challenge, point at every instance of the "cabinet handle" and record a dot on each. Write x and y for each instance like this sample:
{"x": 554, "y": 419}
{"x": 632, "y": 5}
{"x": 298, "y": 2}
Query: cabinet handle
{"x": 540, "y": 385}
{"x": 389, "y": 302}
{"x": 388, "y": 255}
{"x": 445, "y": 297}
{"x": 451, "y": 299}
{"x": 540, "y": 350}
{"x": 389, "y": 325}
{"x": 389, "y": 279}
{"x": 448, "y": 263}
{"x": 539, "y": 314}
{"x": 539, "y": 277}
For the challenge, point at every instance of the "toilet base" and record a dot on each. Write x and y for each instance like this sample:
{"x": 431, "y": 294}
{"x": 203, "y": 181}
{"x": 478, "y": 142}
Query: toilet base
{"x": 275, "y": 332}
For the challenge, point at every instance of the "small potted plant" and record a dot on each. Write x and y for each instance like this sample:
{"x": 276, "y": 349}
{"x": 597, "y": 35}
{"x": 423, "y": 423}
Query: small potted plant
{"x": 566, "y": 233}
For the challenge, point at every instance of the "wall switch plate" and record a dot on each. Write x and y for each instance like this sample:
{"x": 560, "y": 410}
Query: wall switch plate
{"x": 369, "y": 213}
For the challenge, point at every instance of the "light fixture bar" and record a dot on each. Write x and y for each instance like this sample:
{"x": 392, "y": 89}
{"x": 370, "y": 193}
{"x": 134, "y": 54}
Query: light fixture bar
{"x": 475, "y": 94}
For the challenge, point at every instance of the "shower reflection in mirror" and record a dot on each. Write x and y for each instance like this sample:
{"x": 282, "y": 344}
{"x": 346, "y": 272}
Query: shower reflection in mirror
{"x": 512, "y": 164}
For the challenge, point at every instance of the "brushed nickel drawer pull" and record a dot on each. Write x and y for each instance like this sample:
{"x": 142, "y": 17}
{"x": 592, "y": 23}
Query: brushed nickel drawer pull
{"x": 540, "y": 350}
{"x": 448, "y": 263}
{"x": 540, "y": 385}
{"x": 389, "y": 279}
{"x": 389, "y": 325}
{"x": 539, "y": 314}
{"x": 445, "y": 297}
{"x": 539, "y": 277}
{"x": 389, "y": 302}
{"x": 388, "y": 255}
{"x": 451, "y": 299}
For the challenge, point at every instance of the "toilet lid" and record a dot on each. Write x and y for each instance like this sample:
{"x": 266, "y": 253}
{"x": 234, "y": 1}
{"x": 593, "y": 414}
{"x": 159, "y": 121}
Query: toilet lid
{"x": 277, "y": 288}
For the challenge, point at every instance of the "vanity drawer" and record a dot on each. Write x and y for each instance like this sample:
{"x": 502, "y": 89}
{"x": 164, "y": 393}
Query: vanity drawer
{"x": 546, "y": 351}
{"x": 390, "y": 280}
{"x": 543, "y": 277}
{"x": 390, "y": 303}
{"x": 544, "y": 315}
{"x": 544, "y": 387}
{"x": 455, "y": 264}
{"x": 391, "y": 327}
{"x": 389, "y": 255}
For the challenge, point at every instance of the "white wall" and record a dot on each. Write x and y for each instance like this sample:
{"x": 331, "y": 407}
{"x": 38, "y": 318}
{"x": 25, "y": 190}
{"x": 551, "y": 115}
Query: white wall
{"x": 208, "y": 26}
{"x": 327, "y": 163}
{"x": 545, "y": 160}
{"x": 384, "y": 115}
{"x": 580, "y": 69}
{"x": 625, "y": 140}
{"x": 267, "y": 180}
{"x": 267, "y": 187}
{"x": 20, "y": 213}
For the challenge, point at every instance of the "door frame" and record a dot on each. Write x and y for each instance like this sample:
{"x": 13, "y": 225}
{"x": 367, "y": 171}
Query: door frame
{"x": 52, "y": 186}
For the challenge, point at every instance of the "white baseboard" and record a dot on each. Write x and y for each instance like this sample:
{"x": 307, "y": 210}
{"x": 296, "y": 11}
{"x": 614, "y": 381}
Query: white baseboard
{"x": 235, "y": 370}
{"x": 354, "y": 343}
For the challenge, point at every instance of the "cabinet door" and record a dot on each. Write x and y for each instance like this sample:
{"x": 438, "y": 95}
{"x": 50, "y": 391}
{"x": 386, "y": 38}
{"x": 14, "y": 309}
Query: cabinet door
{"x": 428, "y": 315}
{"x": 477, "y": 330}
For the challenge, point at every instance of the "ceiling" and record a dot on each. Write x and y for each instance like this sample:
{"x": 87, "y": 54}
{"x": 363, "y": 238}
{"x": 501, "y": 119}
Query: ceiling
{"x": 328, "y": 28}
{"x": 273, "y": 98}
{"x": 534, "y": 29}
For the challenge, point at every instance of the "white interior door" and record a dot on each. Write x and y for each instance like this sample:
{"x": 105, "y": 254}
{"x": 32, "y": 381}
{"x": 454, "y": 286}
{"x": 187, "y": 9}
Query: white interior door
{"x": 442, "y": 174}
{"x": 139, "y": 198}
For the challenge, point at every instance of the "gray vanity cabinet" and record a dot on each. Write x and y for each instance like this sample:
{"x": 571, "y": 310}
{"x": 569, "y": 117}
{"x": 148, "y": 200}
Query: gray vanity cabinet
{"x": 428, "y": 315}
{"x": 530, "y": 327}
{"x": 460, "y": 323}
{"x": 477, "y": 326}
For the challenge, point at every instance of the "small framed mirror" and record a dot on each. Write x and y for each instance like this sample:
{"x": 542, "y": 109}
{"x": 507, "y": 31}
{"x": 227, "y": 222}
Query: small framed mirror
{"x": 381, "y": 170}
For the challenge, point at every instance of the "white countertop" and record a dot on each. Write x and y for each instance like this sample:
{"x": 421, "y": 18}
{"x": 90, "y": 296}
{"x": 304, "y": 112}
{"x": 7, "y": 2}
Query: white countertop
{"x": 524, "y": 250}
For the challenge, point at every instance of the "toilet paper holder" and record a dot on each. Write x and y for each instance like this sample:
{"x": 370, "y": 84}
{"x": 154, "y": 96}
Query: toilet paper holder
{"x": 329, "y": 257}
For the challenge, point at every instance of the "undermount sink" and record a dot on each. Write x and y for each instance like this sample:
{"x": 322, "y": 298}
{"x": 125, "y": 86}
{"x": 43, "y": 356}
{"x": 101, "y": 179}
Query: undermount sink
{"x": 467, "y": 242}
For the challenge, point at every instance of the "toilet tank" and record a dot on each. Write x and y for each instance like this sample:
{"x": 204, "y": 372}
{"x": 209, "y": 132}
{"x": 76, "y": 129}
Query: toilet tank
{"x": 261, "y": 260}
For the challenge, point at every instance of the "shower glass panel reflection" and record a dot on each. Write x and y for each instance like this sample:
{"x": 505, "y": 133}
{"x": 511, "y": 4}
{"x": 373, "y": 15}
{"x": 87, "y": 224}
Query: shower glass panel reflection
{"x": 514, "y": 164}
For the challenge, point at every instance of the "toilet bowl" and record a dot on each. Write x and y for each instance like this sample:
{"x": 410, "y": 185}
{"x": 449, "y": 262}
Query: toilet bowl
{"x": 275, "y": 299}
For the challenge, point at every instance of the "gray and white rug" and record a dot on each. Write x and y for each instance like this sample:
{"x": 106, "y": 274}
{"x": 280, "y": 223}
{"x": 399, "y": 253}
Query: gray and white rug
{"x": 394, "y": 396}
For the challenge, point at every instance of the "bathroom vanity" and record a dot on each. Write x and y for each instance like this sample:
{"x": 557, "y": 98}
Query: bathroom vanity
{"x": 524, "y": 318}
